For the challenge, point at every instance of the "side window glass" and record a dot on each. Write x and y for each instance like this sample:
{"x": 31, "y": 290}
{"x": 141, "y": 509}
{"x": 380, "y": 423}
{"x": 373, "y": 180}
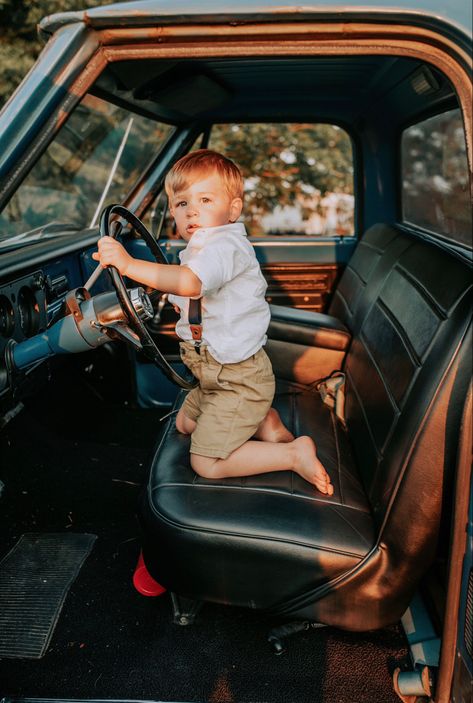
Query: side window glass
{"x": 435, "y": 180}
{"x": 298, "y": 177}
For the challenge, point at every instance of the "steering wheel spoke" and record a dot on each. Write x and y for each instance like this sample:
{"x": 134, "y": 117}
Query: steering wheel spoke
{"x": 122, "y": 331}
{"x": 135, "y": 332}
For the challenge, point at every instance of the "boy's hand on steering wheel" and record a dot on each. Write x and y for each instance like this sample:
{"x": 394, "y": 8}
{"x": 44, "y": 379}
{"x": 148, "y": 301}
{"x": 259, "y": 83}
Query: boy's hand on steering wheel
{"x": 112, "y": 253}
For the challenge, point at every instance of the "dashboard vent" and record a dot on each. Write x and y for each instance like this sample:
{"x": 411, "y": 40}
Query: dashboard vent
{"x": 57, "y": 286}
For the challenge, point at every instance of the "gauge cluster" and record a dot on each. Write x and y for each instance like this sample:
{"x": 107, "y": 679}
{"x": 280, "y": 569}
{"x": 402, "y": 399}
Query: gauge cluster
{"x": 22, "y": 308}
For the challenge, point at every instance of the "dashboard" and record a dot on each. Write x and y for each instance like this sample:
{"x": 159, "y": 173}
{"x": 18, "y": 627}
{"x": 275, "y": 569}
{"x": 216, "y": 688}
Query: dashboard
{"x": 23, "y": 308}
{"x": 34, "y": 281}
{"x": 33, "y": 284}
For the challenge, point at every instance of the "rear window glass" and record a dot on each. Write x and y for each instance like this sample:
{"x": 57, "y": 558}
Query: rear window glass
{"x": 435, "y": 179}
{"x": 298, "y": 177}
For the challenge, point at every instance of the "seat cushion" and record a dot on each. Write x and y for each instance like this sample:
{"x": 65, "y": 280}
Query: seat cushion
{"x": 259, "y": 540}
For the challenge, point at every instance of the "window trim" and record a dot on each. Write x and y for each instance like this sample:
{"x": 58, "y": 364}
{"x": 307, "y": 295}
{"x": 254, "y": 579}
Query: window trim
{"x": 278, "y": 38}
{"x": 403, "y": 40}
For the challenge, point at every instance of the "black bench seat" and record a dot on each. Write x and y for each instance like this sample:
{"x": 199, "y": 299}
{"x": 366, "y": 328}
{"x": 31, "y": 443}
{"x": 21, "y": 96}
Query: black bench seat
{"x": 244, "y": 512}
{"x": 354, "y": 559}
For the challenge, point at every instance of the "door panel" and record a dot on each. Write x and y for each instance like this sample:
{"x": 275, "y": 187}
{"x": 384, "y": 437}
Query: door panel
{"x": 303, "y": 273}
{"x": 304, "y": 286}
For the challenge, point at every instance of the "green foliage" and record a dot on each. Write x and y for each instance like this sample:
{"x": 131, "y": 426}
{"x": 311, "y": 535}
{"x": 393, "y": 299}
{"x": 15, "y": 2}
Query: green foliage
{"x": 19, "y": 42}
{"x": 287, "y": 165}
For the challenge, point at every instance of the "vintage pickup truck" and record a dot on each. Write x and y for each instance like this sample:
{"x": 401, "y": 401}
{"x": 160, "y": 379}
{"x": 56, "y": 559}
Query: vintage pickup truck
{"x": 352, "y": 124}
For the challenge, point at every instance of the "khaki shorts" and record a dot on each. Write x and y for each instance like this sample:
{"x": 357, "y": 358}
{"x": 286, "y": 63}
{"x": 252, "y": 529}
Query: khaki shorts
{"x": 230, "y": 401}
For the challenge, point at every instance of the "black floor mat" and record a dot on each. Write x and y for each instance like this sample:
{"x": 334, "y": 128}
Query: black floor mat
{"x": 35, "y": 577}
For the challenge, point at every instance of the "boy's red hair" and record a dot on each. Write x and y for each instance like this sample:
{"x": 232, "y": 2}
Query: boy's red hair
{"x": 204, "y": 162}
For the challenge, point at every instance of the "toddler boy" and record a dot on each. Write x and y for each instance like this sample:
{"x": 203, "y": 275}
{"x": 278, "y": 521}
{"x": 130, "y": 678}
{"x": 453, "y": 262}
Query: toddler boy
{"x": 234, "y": 431}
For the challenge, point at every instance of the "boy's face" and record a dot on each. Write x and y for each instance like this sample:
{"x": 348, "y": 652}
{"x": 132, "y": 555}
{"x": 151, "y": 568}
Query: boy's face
{"x": 204, "y": 203}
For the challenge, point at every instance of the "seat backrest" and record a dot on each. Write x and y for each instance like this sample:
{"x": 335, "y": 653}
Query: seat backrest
{"x": 408, "y": 370}
{"x": 365, "y": 273}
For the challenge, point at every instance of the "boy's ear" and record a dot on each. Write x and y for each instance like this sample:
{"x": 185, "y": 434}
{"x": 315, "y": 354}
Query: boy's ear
{"x": 236, "y": 207}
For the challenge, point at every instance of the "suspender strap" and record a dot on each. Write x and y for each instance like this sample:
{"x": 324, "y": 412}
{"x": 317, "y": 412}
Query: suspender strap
{"x": 195, "y": 320}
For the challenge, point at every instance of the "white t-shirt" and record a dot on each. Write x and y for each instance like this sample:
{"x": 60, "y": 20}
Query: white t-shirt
{"x": 235, "y": 314}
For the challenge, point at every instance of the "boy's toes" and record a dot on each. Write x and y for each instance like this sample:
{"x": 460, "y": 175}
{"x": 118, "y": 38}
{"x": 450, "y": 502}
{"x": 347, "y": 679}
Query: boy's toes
{"x": 320, "y": 485}
{"x": 323, "y": 485}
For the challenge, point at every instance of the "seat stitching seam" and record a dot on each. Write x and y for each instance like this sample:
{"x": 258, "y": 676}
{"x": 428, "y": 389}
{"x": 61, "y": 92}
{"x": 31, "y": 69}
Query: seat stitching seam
{"x": 350, "y": 525}
{"x": 363, "y": 411}
{"x": 284, "y": 493}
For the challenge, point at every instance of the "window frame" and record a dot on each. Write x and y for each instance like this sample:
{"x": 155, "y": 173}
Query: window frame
{"x": 357, "y": 177}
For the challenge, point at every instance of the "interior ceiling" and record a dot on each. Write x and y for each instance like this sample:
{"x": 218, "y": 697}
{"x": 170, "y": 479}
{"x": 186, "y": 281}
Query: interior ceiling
{"x": 338, "y": 88}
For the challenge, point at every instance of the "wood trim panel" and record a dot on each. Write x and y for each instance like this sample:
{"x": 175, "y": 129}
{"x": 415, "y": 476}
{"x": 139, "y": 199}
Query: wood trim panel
{"x": 304, "y": 286}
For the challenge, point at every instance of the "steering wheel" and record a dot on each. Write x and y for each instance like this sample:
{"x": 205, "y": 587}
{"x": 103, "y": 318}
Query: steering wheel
{"x": 145, "y": 341}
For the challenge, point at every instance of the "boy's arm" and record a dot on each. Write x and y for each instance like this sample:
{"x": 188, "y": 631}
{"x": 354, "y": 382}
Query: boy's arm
{"x": 168, "y": 278}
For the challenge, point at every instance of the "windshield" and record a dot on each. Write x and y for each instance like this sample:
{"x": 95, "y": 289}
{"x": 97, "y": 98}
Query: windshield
{"x": 94, "y": 160}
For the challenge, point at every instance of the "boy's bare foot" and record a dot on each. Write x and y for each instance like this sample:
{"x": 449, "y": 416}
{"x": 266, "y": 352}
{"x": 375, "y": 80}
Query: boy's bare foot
{"x": 307, "y": 465}
{"x": 272, "y": 429}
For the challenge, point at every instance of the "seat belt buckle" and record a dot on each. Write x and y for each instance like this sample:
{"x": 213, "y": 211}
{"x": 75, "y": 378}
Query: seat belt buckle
{"x": 332, "y": 392}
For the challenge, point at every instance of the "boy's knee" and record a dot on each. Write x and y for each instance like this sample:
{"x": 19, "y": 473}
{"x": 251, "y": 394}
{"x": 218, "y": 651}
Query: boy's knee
{"x": 180, "y": 424}
{"x": 184, "y": 424}
{"x": 205, "y": 466}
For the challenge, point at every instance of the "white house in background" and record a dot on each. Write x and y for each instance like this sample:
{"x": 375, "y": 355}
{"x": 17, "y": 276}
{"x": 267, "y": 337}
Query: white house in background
{"x": 331, "y": 214}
